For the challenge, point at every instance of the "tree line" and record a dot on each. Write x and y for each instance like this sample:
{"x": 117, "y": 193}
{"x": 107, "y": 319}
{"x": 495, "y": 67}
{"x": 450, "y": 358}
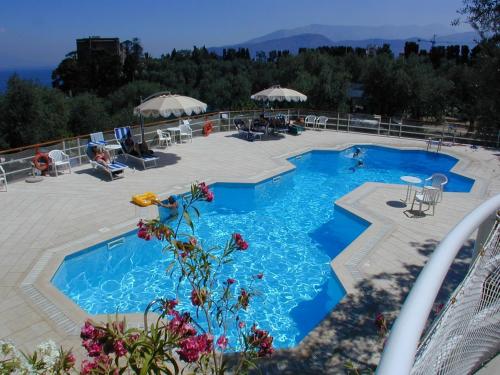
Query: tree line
{"x": 101, "y": 92}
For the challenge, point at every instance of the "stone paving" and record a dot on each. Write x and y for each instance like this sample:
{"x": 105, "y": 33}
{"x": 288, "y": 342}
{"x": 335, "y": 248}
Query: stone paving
{"x": 43, "y": 222}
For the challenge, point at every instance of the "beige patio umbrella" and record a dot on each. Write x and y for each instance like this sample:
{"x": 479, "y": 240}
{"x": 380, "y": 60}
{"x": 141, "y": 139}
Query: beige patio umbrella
{"x": 166, "y": 104}
{"x": 280, "y": 94}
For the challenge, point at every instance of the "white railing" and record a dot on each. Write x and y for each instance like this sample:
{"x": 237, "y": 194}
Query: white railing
{"x": 467, "y": 332}
{"x": 17, "y": 163}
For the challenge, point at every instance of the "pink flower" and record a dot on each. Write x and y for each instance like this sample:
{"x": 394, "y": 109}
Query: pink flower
{"x": 231, "y": 281}
{"x": 261, "y": 341}
{"x": 87, "y": 367}
{"x": 241, "y": 325}
{"x": 244, "y": 299}
{"x": 259, "y": 276}
{"x": 222, "y": 342}
{"x": 198, "y": 296}
{"x": 192, "y": 347}
{"x": 241, "y": 244}
{"x": 88, "y": 330}
{"x": 169, "y": 306}
{"x": 180, "y": 326}
{"x": 209, "y": 196}
{"x": 70, "y": 361}
{"x": 94, "y": 349}
{"x": 119, "y": 347}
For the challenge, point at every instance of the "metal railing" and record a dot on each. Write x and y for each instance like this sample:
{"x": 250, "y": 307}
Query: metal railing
{"x": 17, "y": 162}
{"x": 467, "y": 331}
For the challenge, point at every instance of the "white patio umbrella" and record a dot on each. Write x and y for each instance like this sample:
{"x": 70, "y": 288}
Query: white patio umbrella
{"x": 166, "y": 104}
{"x": 280, "y": 94}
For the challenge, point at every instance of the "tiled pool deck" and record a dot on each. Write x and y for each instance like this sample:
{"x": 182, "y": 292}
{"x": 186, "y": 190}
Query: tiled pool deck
{"x": 41, "y": 223}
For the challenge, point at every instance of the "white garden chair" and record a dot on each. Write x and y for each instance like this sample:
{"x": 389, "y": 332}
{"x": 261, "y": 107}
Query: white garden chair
{"x": 429, "y": 196}
{"x": 310, "y": 121}
{"x": 321, "y": 121}
{"x": 59, "y": 159}
{"x": 186, "y": 131}
{"x": 3, "y": 177}
{"x": 437, "y": 180}
{"x": 163, "y": 138}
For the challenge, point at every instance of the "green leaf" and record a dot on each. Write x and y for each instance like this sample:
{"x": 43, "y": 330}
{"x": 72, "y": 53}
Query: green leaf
{"x": 187, "y": 218}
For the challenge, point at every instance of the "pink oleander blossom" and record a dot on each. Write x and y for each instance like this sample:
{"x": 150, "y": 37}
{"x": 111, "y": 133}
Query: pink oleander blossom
{"x": 230, "y": 281}
{"x": 198, "y": 296}
{"x": 261, "y": 341}
{"x": 87, "y": 367}
{"x": 119, "y": 348}
{"x": 88, "y": 330}
{"x": 193, "y": 347}
{"x": 244, "y": 299}
{"x": 222, "y": 342}
{"x": 169, "y": 306}
{"x": 241, "y": 244}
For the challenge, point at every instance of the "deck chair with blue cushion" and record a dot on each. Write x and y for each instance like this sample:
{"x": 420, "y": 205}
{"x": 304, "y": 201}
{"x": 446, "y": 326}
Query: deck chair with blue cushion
{"x": 115, "y": 169}
{"x": 98, "y": 138}
{"x": 123, "y": 133}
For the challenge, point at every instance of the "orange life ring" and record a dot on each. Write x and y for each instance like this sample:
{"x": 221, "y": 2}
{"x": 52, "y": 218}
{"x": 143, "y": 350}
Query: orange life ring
{"x": 207, "y": 128}
{"x": 41, "y": 161}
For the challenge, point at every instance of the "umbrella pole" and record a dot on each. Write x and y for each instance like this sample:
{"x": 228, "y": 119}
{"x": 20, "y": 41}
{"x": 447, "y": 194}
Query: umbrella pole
{"x": 142, "y": 128}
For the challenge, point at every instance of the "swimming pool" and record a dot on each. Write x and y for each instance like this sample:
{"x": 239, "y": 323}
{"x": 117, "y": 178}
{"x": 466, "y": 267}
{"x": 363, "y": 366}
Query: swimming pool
{"x": 293, "y": 228}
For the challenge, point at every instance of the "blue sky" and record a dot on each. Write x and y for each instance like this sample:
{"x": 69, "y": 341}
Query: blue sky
{"x": 37, "y": 33}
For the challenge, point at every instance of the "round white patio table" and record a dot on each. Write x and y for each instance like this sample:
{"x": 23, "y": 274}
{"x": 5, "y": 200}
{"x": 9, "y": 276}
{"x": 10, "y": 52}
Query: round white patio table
{"x": 174, "y": 130}
{"x": 410, "y": 181}
{"x": 113, "y": 150}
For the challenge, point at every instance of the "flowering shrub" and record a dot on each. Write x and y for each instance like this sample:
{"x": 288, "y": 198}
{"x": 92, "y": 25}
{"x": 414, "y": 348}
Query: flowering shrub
{"x": 381, "y": 324}
{"x": 46, "y": 359}
{"x": 178, "y": 339}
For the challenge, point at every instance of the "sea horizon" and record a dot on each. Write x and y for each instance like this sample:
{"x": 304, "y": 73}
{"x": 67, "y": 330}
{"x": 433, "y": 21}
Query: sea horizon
{"x": 40, "y": 75}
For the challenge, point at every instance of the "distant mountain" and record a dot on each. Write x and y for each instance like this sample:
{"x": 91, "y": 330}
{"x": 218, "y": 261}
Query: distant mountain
{"x": 294, "y": 42}
{"x": 337, "y": 33}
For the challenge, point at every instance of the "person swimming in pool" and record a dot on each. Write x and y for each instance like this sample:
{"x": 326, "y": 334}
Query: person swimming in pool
{"x": 357, "y": 152}
{"x": 173, "y": 209}
{"x": 359, "y": 164}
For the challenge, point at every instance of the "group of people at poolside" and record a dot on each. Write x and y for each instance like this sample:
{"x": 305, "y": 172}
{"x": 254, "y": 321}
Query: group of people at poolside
{"x": 102, "y": 156}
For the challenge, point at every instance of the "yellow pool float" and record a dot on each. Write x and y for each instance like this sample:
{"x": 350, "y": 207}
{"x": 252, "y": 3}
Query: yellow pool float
{"x": 145, "y": 199}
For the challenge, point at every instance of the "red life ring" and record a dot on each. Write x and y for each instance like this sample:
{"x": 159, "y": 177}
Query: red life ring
{"x": 41, "y": 161}
{"x": 207, "y": 128}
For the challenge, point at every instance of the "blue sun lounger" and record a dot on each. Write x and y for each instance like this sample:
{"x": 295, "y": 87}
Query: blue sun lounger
{"x": 121, "y": 134}
{"x": 115, "y": 169}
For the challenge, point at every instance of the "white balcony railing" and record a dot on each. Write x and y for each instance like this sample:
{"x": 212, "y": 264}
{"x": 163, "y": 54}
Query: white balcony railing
{"x": 467, "y": 331}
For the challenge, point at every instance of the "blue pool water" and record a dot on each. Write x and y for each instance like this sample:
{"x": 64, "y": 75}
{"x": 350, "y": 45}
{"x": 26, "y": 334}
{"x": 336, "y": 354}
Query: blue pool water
{"x": 294, "y": 231}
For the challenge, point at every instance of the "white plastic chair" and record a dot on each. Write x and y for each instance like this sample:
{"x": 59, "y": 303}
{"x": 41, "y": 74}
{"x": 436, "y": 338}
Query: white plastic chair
{"x": 164, "y": 138}
{"x": 437, "y": 180}
{"x": 321, "y": 121}
{"x": 58, "y": 158}
{"x": 186, "y": 130}
{"x": 428, "y": 196}
{"x": 310, "y": 121}
{"x": 3, "y": 177}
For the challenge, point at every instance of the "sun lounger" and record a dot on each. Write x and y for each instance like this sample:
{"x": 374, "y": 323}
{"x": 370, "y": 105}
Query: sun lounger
{"x": 121, "y": 134}
{"x": 114, "y": 169}
{"x": 244, "y": 131}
